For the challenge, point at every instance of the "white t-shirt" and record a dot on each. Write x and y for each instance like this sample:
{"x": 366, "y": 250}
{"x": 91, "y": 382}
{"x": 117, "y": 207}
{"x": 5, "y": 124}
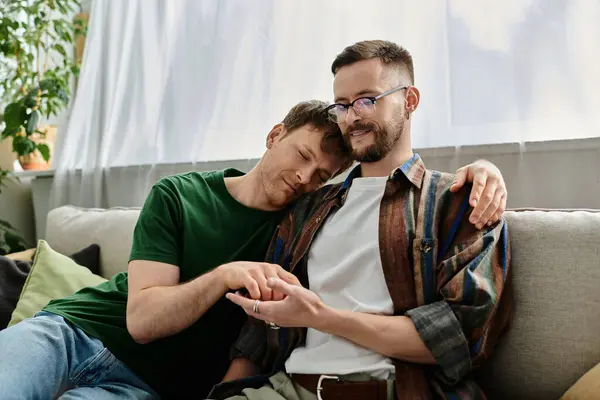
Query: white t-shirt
{"x": 345, "y": 271}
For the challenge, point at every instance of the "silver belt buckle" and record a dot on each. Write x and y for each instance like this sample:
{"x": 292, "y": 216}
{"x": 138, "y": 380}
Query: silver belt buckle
{"x": 320, "y": 384}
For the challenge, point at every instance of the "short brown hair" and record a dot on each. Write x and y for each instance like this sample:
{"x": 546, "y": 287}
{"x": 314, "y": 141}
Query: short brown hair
{"x": 388, "y": 52}
{"x": 313, "y": 113}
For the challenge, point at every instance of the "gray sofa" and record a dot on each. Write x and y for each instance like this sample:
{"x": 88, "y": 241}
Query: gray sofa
{"x": 555, "y": 337}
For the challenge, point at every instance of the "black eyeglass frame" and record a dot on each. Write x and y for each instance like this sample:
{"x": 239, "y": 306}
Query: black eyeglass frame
{"x": 373, "y": 99}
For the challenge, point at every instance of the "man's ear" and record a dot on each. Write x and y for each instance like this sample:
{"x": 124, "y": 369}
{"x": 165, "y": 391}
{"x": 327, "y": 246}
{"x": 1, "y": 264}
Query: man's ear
{"x": 413, "y": 98}
{"x": 275, "y": 135}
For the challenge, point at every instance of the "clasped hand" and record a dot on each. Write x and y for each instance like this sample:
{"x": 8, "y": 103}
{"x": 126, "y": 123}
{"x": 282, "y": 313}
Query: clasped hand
{"x": 299, "y": 307}
{"x": 253, "y": 276}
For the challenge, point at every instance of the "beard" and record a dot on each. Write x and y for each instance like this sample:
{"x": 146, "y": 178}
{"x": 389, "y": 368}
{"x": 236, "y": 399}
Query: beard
{"x": 384, "y": 140}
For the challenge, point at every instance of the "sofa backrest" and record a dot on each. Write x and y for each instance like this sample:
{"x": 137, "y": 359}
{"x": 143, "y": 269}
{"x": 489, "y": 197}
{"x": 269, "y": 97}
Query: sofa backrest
{"x": 555, "y": 337}
{"x": 69, "y": 229}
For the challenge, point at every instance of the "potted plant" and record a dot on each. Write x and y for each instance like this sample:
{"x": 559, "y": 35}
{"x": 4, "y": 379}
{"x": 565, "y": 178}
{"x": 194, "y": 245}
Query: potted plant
{"x": 36, "y": 71}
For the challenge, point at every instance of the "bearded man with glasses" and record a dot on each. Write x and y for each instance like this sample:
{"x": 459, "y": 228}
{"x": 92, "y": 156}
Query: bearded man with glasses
{"x": 400, "y": 296}
{"x": 364, "y": 108}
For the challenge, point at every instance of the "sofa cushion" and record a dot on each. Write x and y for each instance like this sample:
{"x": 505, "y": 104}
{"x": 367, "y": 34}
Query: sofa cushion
{"x": 586, "y": 388}
{"x": 556, "y": 274}
{"x": 89, "y": 258}
{"x": 52, "y": 276}
{"x": 13, "y": 274}
{"x": 69, "y": 229}
{"x": 15, "y": 267}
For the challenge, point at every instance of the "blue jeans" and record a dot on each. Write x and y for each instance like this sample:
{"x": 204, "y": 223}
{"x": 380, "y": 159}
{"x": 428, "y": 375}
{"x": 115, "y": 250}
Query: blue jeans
{"x": 46, "y": 358}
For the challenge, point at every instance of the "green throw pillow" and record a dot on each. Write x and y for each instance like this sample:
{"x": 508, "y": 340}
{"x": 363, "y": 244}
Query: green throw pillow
{"x": 52, "y": 276}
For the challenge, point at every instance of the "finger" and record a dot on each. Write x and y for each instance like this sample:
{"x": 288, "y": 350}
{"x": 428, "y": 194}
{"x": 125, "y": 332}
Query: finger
{"x": 288, "y": 277}
{"x": 272, "y": 271}
{"x": 264, "y": 308}
{"x": 277, "y": 296}
{"x": 460, "y": 178}
{"x": 479, "y": 182}
{"x": 488, "y": 215}
{"x": 281, "y": 286}
{"x": 241, "y": 301}
{"x": 488, "y": 197}
{"x": 248, "y": 306}
{"x": 266, "y": 293}
{"x": 502, "y": 207}
{"x": 252, "y": 286}
{"x": 498, "y": 215}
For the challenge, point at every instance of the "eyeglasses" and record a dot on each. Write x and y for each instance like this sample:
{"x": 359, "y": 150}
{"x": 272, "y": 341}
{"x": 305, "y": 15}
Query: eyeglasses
{"x": 364, "y": 107}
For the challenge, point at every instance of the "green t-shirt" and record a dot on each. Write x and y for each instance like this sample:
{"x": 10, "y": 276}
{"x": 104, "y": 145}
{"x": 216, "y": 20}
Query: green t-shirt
{"x": 191, "y": 221}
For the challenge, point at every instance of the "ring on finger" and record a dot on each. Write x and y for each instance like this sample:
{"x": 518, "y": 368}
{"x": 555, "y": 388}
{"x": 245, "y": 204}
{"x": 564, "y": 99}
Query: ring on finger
{"x": 255, "y": 307}
{"x": 273, "y": 325}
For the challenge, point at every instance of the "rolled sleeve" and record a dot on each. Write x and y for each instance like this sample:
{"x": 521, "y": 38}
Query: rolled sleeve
{"x": 251, "y": 343}
{"x": 442, "y": 334}
{"x": 472, "y": 310}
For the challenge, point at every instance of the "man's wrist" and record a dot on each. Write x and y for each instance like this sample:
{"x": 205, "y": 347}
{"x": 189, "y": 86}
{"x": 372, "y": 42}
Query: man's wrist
{"x": 217, "y": 278}
{"x": 327, "y": 319}
{"x": 220, "y": 277}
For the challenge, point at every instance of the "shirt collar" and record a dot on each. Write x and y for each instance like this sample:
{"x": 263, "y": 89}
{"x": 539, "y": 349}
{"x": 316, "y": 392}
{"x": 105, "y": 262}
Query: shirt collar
{"x": 413, "y": 169}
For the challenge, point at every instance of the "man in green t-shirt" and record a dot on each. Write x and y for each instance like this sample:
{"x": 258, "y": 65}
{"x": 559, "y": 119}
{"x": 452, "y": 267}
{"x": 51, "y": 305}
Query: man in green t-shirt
{"x": 164, "y": 329}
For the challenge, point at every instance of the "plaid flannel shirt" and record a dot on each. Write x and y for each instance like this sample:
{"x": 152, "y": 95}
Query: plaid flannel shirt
{"x": 448, "y": 277}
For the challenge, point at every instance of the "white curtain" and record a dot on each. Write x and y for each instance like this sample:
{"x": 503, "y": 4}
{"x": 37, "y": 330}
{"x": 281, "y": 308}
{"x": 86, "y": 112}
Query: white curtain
{"x": 166, "y": 82}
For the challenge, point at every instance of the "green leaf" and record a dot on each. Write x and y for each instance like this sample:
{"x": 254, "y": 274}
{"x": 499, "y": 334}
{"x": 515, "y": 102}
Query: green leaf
{"x": 32, "y": 122}
{"x": 58, "y": 47}
{"x": 15, "y": 114}
{"x": 49, "y": 110}
{"x": 30, "y": 101}
{"x": 62, "y": 95}
{"x": 70, "y": 7}
{"x": 75, "y": 69}
{"x": 59, "y": 27}
{"x": 23, "y": 146}
{"x": 62, "y": 8}
{"x": 56, "y": 105}
{"x": 48, "y": 84}
{"x": 11, "y": 239}
{"x": 10, "y": 131}
{"x": 44, "y": 151}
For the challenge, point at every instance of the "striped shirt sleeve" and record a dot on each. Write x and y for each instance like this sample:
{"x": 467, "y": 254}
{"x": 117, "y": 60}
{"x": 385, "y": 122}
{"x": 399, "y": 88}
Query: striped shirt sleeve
{"x": 459, "y": 328}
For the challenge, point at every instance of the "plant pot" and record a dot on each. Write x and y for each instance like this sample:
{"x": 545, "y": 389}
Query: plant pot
{"x": 35, "y": 161}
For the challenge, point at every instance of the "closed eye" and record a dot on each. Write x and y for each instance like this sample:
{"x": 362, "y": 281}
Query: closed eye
{"x": 303, "y": 155}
